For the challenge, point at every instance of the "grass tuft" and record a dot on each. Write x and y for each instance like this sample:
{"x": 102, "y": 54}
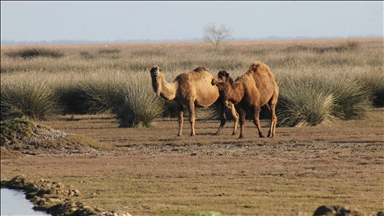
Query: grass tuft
{"x": 33, "y": 99}
{"x": 32, "y": 52}
{"x": 101, "y": 94}
{"x": 109, "y": 51}
{"x": 300, "y": 104}
{"x": 351, "y": 99}
{"x": 373, "y": 82}
{"x": 140, "y": 106}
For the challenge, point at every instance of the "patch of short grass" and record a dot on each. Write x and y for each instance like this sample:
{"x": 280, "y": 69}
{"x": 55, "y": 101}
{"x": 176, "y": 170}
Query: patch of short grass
{"x": 16, "y": 130}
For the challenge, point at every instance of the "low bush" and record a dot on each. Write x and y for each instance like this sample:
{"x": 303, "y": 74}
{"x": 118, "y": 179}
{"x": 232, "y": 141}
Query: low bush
{"x": 140, "y": 106}
{"x": 351, "y": 99}
{"x": 312, "y": 100}
{"x": 28, "y": 98}
{"x": 101, "y": 94}
{"x": 373, "y": 82}
{"x": 31, "y": 52}
{"x": 302, "y": 104}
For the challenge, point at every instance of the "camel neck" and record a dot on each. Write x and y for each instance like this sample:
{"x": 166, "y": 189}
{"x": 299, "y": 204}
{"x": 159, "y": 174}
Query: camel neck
{"x": 166, "y": 90}
{"x": 234, "y": 93}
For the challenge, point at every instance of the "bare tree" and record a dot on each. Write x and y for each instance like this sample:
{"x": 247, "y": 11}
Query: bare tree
{"x": 215, "y": 35}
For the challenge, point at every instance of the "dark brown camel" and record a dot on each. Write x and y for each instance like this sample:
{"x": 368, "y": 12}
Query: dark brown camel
{"x": 256, "y": 88}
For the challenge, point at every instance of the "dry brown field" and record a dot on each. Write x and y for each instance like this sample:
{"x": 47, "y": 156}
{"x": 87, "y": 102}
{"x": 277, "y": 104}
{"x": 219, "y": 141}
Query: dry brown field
{"x": 151, "y": 171}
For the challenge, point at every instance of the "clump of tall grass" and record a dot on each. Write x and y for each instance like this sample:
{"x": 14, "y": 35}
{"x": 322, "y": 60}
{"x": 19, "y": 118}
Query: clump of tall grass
{"x": 348, "y": 46}
{"x": 148, "y": 53}
{"x": 72, "y": 97}
{"x": 109, "y": 51}
{"x": 311, "y": 100}
{"x": 33, "y": 99}
{"x": 140, "y": 106}
{"x": 373, "y": 81}
{"x": 352, "y": 100}
{"x": 31, "y": 52}
{"x": 101, "y": 94}
{"x": 300, "y": 104}
{"x": 86, "y": 55}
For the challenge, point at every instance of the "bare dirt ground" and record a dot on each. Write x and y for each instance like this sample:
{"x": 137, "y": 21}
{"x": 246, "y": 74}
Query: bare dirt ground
{"x": 151, "y": 171}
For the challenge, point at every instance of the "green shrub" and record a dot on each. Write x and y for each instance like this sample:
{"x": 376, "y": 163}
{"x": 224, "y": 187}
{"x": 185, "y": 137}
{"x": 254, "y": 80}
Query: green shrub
{"x": 373, "y": 82}
{"x": 28, "y": 98}
{"x": 140, "y": 106}
{"x": 313, "y": 99}
{"x": 303, "y": 104}
{"x": 72, "y": 98}
{"x": 35, "y": 52}
{"x": 351, "y": 99}
{"x": 101, "y": 95}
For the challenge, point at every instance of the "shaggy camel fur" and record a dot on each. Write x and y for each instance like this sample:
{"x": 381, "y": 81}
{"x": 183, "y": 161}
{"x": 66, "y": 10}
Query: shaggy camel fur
{"x": 256, "y": 88}
{"x": 192, "y": 89}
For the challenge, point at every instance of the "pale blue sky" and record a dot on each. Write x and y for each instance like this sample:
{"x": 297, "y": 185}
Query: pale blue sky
{"x": 184, "y": 20}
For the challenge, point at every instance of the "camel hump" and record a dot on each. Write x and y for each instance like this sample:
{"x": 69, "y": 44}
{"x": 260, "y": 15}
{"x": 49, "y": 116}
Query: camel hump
{"x": 258, "y": 66}
{"x": 199, "y": 69}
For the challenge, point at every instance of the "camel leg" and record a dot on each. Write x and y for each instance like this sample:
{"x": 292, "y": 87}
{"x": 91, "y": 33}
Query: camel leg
{"x": 223, "y": 118}
{"x": 242, "y": 114}
{"x": 272, "y": 129}
{"x": 256, "y": 120}
{"x": 191, "y": 110}
{"x": 236, "y": 116}
{"x": 181, "y": 119}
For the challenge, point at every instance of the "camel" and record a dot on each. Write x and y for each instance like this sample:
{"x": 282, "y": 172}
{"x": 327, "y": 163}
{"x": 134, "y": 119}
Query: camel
{"x": 192, "y": 89}
{"x": 256, "y": 88}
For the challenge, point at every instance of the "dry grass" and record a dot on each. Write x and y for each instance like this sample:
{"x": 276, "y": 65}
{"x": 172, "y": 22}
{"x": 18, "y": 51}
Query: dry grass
{"x": 151, "y": 171}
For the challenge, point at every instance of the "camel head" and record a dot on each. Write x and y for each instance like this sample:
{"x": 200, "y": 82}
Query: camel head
{"x": 155, "y": 71}
{"x": 221, "y": 79}
{"x": 155, "y": 75}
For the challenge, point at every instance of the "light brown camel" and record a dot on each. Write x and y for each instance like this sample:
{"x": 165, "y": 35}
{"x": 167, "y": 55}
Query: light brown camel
{"x": 256, "y": 88}
{"x": 192, "y": 89}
